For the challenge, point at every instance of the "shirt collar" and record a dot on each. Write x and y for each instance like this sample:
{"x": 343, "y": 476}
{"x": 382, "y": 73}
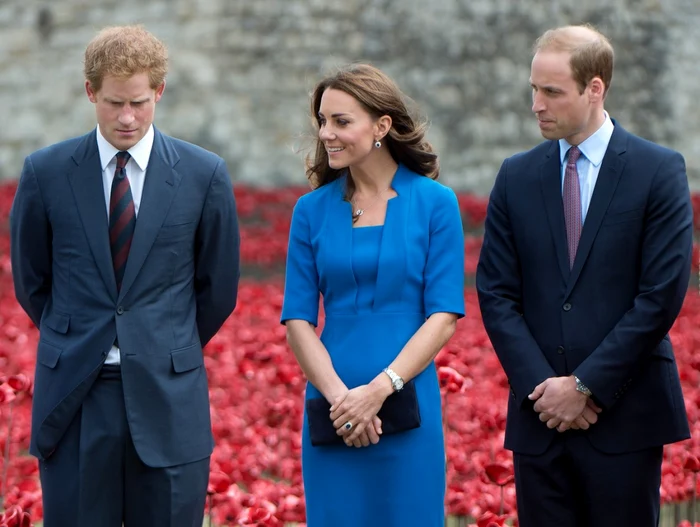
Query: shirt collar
{"x": 140, "y": 152}
{"x": 595, "y": 146}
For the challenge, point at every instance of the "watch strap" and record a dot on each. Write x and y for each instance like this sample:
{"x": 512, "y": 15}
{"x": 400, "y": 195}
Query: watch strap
{"x": 582, "y": 387}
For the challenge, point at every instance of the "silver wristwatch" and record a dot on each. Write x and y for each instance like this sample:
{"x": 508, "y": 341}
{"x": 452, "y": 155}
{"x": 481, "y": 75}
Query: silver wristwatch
{"x": 396, "y": 381}
{"x": 582, "y": 387}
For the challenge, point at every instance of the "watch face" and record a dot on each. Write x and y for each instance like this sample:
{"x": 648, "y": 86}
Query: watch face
{"x": 399, "y": 384}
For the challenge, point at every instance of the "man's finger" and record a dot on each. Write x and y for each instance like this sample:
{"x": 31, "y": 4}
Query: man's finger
{"x": 582, "y": 423}
{"x": 544, "y": 417}
{"x": 553, "y": 422}
{"x": 538, "y": 391}
{"x": 597, "y": 409}
{"x": 563, "y": 426}
{"x": 589, "y": 416}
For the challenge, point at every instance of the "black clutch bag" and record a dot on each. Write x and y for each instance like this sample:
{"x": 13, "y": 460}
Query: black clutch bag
{"x": 399, "y": 413}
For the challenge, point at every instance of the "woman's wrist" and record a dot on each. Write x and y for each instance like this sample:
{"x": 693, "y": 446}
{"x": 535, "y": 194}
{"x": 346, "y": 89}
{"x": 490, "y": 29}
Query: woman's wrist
{"x": 335, "y": 392}
{"x": 382, "y": 385}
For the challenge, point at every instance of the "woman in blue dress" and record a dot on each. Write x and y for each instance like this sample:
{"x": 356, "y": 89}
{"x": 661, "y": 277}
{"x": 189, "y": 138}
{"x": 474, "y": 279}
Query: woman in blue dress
{"x": 382, "y": 242}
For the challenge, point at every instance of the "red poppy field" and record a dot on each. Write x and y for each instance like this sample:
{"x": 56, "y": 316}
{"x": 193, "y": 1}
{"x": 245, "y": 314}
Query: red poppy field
{"x": 256, "y": 393}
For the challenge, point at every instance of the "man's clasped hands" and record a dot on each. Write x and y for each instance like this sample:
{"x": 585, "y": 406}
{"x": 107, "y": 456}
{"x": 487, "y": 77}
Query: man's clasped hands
{"x": 561, "y": 406}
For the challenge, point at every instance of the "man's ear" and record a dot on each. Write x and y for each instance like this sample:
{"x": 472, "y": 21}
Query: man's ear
{"x": 596, "y": 88}
{"x": 92, "y": 94}
{"x": 159, "y": 91}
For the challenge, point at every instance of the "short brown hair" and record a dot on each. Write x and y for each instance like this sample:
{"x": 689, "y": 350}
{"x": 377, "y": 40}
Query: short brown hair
{"x": 591, "y": 53}
{"x": 379, "y": 95}
{"x": 124, "y": 51}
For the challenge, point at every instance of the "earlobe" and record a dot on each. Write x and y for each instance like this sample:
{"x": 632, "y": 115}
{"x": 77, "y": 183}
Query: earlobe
{"x": 597, "y": 88}
{"x": 90, "y": 93}
{"x": 384, "y": 125}
{"x": 159, "y": 91}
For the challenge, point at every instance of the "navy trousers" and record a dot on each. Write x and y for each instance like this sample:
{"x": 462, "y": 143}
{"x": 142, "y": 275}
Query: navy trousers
{"x": 95, "y": 478}
{"x": 575, "y": 485}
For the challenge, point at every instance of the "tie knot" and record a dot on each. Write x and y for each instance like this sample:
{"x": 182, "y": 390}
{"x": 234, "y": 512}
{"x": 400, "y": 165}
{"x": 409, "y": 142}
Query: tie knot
{"x": 574, "y": 154}
{"x": 122, "y": 159}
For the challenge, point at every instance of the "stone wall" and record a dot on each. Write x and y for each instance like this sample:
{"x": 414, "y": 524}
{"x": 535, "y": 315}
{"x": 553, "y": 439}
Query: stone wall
{"x": 241, "y": 71}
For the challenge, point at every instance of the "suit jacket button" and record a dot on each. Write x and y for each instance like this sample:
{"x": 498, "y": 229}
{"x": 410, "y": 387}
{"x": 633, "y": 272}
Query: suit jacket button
{"x": 566, "y": 307}
{"x": 560, "y": 350}
{"x": 120, "y": 310}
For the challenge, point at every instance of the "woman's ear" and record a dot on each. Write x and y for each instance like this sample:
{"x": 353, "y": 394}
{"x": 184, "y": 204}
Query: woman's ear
{"x": 382, "y": 126}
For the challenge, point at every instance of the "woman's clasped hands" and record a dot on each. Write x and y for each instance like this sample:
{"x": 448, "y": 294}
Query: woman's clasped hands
{"x": 354, "y": 414}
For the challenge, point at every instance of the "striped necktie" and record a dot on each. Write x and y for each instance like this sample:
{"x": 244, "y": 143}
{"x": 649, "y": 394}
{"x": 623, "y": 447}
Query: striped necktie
{"x": 122, "y": 217}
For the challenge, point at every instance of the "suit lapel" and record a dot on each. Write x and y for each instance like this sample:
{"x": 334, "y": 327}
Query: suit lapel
{"x": 608, "y": 178}
{"x": 159, "y": 189}
{"x": 550, "y": 181}
{"x": 391, "y": 272}
{"x": 88, "y": 191}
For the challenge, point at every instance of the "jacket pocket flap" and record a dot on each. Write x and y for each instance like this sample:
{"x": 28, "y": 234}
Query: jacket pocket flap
{"x": 621, "y": 217}
{"x": 664, "y": 351}
{"x": 48, "y": 354}
{"x": 186, "y": 359}
{"x": 58, "y": 322}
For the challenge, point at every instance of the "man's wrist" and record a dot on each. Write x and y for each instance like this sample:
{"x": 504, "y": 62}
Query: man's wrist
{"x": 581, "y": 387}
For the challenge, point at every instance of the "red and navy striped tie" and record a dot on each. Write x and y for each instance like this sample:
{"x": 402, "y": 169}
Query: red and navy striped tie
{"x": 122, "y": 217}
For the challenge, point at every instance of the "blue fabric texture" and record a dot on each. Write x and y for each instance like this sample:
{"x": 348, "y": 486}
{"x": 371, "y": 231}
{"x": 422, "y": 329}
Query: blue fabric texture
{"x": 379, "y": 284}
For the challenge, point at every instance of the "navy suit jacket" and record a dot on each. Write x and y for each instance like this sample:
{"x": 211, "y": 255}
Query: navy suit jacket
{"x": 607, "y": 319}
{"x": 179, "y": 287}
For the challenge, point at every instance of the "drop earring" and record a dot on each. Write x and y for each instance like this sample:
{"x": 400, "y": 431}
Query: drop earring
{"x": 377, "y": 144}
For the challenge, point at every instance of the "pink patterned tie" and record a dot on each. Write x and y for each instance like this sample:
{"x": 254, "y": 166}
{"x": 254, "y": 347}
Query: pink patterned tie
{"x": 572, "y": 204}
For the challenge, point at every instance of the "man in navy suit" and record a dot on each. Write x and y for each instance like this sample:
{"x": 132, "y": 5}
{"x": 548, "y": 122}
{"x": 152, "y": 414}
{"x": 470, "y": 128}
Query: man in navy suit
{"x": 125, "y": 254}
{"x": 584, "y": 268}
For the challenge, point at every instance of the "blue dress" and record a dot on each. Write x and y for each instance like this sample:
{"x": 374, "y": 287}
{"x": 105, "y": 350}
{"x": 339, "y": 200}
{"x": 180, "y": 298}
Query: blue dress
{"x": 379, "y": 284}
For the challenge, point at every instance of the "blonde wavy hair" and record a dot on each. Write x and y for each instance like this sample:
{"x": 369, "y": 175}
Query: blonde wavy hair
{"x": 124, "y": 51}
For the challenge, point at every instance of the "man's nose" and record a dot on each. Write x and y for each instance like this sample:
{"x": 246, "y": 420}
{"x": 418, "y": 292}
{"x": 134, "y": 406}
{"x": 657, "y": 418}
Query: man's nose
{"x": 126, "y": 115}
{"x": 537, "y": 104}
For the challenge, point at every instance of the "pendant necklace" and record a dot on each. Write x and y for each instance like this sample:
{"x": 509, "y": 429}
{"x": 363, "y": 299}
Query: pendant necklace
{"x": 360, "y": 211}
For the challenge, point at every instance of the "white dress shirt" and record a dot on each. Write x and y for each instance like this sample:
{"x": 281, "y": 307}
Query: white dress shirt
{"x": 135, "y": 171}
{"x": 588, "y": 164}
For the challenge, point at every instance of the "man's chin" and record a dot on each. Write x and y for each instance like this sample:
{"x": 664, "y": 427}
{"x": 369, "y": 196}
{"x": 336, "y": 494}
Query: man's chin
{"x": 551, "y": 135}
{"x": 121, "y": 143}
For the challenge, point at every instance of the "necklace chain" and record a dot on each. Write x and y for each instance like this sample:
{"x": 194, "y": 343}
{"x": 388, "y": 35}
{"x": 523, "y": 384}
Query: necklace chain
{"x": 360, "y": 211}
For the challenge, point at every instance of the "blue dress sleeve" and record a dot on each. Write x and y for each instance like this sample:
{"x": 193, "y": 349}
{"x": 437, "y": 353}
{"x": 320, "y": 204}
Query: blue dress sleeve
{"x": 444, "y": 269}
{"x": 301, "y": 291}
